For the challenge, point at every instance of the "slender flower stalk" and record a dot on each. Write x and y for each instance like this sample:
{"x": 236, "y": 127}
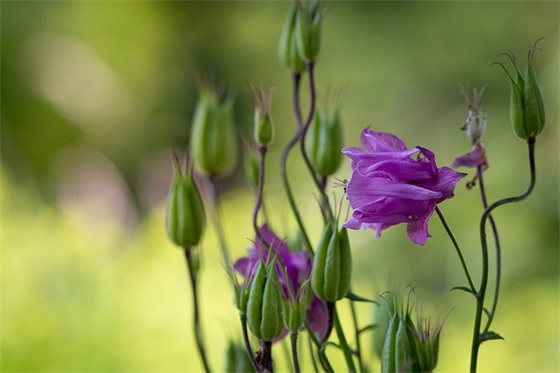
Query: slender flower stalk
{"x": 196, "y": 317}
{"x": 260, "y": 187}
{"x": 478, "y": 337}
{"x": 343, "y": 343}
{"x": 243, "y": 319}
{"x": 357, "y": 336}
{"x": 296, "y": 83}
{"x": 295, "y": 359}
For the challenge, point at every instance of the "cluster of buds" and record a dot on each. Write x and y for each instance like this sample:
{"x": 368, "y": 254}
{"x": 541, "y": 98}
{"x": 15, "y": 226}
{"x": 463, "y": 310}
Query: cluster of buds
{"x": 409, "y": 347}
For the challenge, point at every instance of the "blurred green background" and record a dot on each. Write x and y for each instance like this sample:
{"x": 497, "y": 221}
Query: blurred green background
{"x": 95, "y": 94}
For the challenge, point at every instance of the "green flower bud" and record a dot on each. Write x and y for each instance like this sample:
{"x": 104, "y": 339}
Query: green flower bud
{"x": 332, "y": 265}
{"x": 264, "y": 306}
{"x": 526, "y": 105}
{"x": 213, "y": 143}
{"x": 323, "y": 142}
{"x": 295, "y": 305}
{"x": 388, "y": 355}
{"x": 184, "y": 218}
{"x": 382, "y": 317}
{"x": 287, "y": 47}
{"x": 264, "y": 130}
{"x": 308, "y": 30}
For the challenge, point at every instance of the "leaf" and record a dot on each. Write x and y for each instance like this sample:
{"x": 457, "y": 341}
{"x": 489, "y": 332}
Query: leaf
{"x": 356, "y": 298}
{"x": 464, "y": 288}
{"x": 489, "y": 335}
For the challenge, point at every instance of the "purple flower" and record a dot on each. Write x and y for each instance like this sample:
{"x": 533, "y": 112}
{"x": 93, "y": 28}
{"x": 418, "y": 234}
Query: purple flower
{"x": 388, "y": 186}
{"x": 298, "y": 268}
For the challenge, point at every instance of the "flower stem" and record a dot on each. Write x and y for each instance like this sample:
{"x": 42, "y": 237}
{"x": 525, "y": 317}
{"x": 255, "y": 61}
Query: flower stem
{"x": 325, "y": 206}
{"x": 320, "y": 350}
{"x": 293, "y": 340}
{"x": 260, "y": 187}
{"x": 498, "y": 250}
{"x": 478, "y": 338}
{"x": 266, "y": 349}
{"x": 216, "y": 221}
{"x": 310, "y": 345}
{"x": 357, "y": 336}
{"x": 343, "y": 343}
{"x": 457, "y": 248}
{"x": 296, "y": 78}
{"x": 243, "y": 319}
{"x": 196, "y": 317}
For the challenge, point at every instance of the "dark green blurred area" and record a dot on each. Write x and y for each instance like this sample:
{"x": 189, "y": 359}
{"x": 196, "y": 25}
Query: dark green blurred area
{"x": 95, "y": 94}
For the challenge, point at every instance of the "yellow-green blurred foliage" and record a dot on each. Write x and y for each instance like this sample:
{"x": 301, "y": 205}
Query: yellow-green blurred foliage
{"x": 94, "y": 94}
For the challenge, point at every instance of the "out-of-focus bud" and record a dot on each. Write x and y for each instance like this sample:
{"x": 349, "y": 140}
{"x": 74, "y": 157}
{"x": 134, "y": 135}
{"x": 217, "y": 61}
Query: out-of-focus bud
{"x": 252, "y": 167}
{"x": 287, "y": 47}
{"x": 295, "y": 305}
{"x": 332, "y": 265}
{"x": 185, "y": 218}
{"x": 264, "y": 306}
{"x": 381, "y": 318}
{"x": 264, "y": 129}
{"x": 237, "y": 360}
{"x": 308, "y": 29}
{"x": 526, "y": 104}
{"x": 213, "y": 142}
{"x": 323, "y": 142}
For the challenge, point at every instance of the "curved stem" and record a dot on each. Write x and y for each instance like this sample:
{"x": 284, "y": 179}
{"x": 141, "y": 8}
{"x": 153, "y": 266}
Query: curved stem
{"x": 293, "y": 340}
{"x": 477, "y": 337}
{"x": 457, "y": 248}
{"x": 498, "y": 250}
{"x": 284, "y": 157}
{"x": 248, "y": 348}
{"x": 325, "y": 206}
{"x": 343, "y": 343}
{"x": 196, "y": 317}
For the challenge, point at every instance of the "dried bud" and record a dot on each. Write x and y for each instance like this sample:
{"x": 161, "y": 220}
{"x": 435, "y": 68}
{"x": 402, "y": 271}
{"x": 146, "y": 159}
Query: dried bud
{"x": 213, "y": 143}
{"x": 323, "y": 142}
{"x": 287, "y": 48}
{"x": 185, "y": 218}
{"x": 332, "y": 265}
{"x": 526, "y": 105}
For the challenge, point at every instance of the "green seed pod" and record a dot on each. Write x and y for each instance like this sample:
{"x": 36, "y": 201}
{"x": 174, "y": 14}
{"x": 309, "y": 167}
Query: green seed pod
{"x": 264, "y": 306}
{"x": 287, "y": 47}
{"x": 332, "y": 265}
{"x": 527, "y": 112}
{"x": 404, "y": 358}
{"x": 324, "y": 142}
{"x": 308, "y": 31}
{"x": 185, "y": 217}
{"x": 213, "y": 143}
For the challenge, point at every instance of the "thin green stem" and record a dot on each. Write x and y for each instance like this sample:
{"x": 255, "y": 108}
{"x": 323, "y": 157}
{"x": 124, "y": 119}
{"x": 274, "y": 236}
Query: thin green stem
{"x": 311, "y": 354}
{"x": 260, "y": 188}
{"x": 216, "y": 221}
{"x": 478, "y": 338}
{"x": 196, "y": 316}
{"x": 357, "y": 336}
{"x": 248, "y": 348}
{"x": 325, "y": 206}
{"x": 457, "y": 249}
{"x": 319, "y": 345}
{"x": 498, "y": 250}
{"x": 284, "y": 157}
{"x": 293, "y": 342}
{"x": 343, "y": 343}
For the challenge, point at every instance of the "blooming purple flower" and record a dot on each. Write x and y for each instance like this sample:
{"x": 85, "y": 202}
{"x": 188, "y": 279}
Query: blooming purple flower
{"x": 298, "y": 269}
{"x": 388, "y": 186}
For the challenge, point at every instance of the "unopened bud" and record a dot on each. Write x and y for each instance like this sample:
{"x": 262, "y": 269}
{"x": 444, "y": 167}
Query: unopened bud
{"x": 264, "y": 130}
{"x": 324, "y": 141}
{"x": 264, "y": 306}
{"x": 287, "y": 47}
{"x": 185, "y": 218}
{"x": 213, "y": 142}
{"x": 308, "y": 30}
{"x": 332, "y": 265}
